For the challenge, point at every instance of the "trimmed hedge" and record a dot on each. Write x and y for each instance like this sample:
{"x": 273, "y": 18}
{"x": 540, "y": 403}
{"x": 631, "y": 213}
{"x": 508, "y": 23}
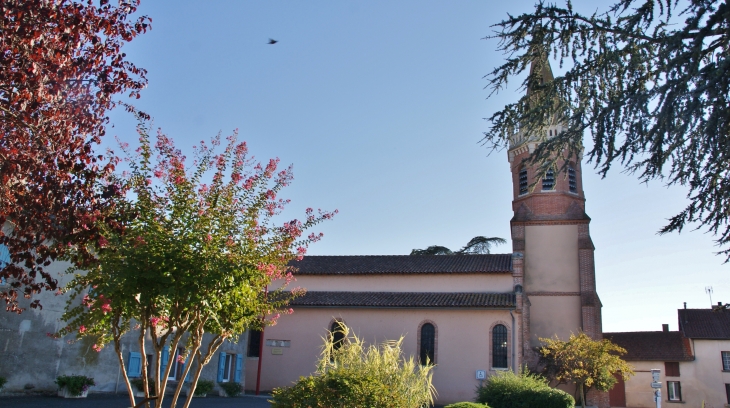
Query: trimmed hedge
{"x": 524, "y": 390}
{"x": 467, "y": 405}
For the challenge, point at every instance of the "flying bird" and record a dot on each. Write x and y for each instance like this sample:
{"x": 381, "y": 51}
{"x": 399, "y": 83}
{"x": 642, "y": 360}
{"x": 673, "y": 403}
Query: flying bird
{"x": 272, "y": 41}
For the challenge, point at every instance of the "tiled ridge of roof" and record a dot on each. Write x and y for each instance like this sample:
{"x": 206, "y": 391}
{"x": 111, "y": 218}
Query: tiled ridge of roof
{"x": 705, "y": 323}
{"x": 405, "y": 299}
{"x": 403, "y": 264}
{"x": 653, "y": 345}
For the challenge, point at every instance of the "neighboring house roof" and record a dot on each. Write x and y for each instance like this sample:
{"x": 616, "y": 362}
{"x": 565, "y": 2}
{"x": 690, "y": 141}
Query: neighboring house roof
{"x": 403, "y": 264}
{"x": 652, "y": 346}
{"x": 405, "y": 300}
{"x": 705, "y": 323}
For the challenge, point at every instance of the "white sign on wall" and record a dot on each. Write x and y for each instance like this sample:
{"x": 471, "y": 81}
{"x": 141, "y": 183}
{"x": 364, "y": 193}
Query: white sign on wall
{"x": 481, "y": 374}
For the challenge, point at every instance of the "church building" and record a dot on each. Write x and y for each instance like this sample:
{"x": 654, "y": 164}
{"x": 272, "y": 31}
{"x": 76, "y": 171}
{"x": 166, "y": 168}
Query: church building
{"x": 471, "y": 315}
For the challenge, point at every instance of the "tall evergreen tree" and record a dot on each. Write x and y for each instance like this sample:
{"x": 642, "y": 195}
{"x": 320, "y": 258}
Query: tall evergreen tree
{"x": 649, "y": 79}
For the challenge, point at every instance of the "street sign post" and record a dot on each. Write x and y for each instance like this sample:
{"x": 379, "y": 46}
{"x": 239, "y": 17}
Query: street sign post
{"x": 656, "y": 375}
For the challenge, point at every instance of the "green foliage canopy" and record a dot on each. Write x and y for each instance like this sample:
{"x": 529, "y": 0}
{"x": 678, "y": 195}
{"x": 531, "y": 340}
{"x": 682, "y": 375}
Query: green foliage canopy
{"x": 192, "y": 258}
{"x": 652, "y": 90}
{"x": 585, "y": 362}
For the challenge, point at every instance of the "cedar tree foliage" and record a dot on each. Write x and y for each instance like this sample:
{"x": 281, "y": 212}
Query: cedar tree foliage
{"x": 650, "y": 80}
{"x": 60, "y": 67}
{"x": 477, "y": 245}
{"x": 584, "y": 362}
{"x": 192, "y": 258}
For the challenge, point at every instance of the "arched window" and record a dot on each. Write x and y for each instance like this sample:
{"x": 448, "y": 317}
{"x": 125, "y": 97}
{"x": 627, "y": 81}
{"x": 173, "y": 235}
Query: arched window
{"x": 523, "y": 181}
{"x": 572, "y": 181}
{"x": 548, "y": 182}
{"x": 499, "y": 346}
{"x": 338, "y": 334}
{"x": 427, "y": 348}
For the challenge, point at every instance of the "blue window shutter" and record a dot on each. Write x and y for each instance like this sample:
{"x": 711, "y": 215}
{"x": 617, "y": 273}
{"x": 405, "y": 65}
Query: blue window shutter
{"x": 163, "y": 365}
{"x": 239, "y": 368}
{"x": 221, "y": 366}
{"x": 4, "y": 260}
{"x": 134, "y": 364}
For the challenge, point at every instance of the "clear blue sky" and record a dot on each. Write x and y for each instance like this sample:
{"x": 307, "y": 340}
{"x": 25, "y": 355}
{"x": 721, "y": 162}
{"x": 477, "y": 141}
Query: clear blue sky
{"x": 380, "y": 105}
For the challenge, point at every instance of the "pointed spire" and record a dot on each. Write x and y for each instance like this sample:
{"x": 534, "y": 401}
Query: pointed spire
{"x": 546, "y": 73}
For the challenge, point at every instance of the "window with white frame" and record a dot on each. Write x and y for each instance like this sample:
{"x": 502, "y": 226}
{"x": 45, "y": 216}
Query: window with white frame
{"x": 725, "y": 360}
{"x": 674, "y": 391}
{"x": 177, "y": 366}
{"x": 230, "y": 367}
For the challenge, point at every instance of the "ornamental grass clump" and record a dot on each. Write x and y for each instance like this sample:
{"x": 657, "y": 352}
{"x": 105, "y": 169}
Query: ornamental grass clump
{"x": 506, "y": 389}
{"x": 352, "y": 374}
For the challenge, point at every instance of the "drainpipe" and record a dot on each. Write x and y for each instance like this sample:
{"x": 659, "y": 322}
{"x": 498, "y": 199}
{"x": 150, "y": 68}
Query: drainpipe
{"x": 514, "y": 342}
{"x": 261, "y": 346}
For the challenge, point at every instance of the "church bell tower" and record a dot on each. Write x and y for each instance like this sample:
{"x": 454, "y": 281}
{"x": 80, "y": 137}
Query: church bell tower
{"x": 551, "y": 237}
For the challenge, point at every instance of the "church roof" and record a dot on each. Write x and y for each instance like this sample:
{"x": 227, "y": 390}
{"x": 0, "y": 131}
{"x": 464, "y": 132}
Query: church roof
{"x": 705, "y": 323}
{"x": 653, "y": 345}
{"x": 403, "y": 264}
{"x": 405, "y": 299}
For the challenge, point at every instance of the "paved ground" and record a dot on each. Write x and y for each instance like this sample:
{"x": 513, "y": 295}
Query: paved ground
{"x": 121, "y": 401}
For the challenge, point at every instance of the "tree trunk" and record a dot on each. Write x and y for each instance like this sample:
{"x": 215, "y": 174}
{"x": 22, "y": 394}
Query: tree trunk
{"x": 582, "y": 396}
{"x": 143, "y": 361}
{"x": 202, "y": 360}
{"x": 116, "y": 332}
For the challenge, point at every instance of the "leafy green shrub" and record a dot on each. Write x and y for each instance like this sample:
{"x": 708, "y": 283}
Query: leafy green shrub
{"x": 506, "y": 389}
{"x": 139, "y": 384}
{"x": 353, "y": 375}
{"x": 232, "y": 389}
{"x": 467, "y": 405}
{"x": 75, "y": 384}
{"x": 204, "y": 387}
{"x": 2, "y": 381}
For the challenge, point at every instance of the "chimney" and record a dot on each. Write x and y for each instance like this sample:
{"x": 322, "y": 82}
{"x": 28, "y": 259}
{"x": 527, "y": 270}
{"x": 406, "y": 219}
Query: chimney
{"x": 719, "y": 304}
{"x": 685, "y": 305}
{"x": 665, "y": 328}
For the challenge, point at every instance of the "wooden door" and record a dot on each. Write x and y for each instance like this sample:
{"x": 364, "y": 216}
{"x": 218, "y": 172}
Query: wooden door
{"x": 617, "y": 395}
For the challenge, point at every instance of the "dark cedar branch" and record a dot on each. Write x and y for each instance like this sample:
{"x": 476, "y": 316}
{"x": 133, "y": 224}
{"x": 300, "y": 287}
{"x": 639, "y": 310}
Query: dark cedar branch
{"x": 477, "y": 245}
{"x": 61, "y": 66}
{"x": 651, "y": 90}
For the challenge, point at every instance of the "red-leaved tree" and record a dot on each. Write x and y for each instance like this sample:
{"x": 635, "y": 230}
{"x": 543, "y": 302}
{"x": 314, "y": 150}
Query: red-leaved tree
{"x": 61, "y": 66}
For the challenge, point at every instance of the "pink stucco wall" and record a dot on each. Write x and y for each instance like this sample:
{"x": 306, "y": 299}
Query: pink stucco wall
{"x": 441, "y": 282}
{"x": 463, "y": 340}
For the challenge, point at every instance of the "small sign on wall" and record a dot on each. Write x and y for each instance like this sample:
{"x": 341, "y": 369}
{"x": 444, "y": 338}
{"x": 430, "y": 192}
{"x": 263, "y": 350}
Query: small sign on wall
{"x": 481, "y": 374}
{"x": 278, "y": 343}
{"x": 277, "y": 351}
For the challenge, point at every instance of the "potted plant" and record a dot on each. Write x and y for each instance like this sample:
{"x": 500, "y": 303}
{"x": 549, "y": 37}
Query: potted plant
{"x": 203, "y": 388}
{"x": 73, "y": 386}
{"x": 138, "y": 385}
{"x": 231, "y": 389}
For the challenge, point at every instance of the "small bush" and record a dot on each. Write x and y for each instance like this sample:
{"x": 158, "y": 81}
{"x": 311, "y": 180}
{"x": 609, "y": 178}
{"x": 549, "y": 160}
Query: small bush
{"x": 139, "y": 385}
{"x": 353, "y": 375}
{"x": 75, "y": 384}
{"x": 467, "y": 405}
{"x": 524, "y": 390}
{"x": 204, "y": 387}
{"x": 232, "y": 389}
{"x": 2, "y": 381}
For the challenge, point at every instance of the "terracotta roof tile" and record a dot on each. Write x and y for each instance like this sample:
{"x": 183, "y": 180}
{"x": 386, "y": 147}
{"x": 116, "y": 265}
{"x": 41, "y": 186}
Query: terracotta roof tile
{"x": 403, "y": 264}
{"x": 405, "y": 299}
{"x": 652, "y": 346}
{"x": 705, "y": 323}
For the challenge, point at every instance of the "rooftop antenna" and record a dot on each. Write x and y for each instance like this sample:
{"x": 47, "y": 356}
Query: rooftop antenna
{"x": 708, "y": 290}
